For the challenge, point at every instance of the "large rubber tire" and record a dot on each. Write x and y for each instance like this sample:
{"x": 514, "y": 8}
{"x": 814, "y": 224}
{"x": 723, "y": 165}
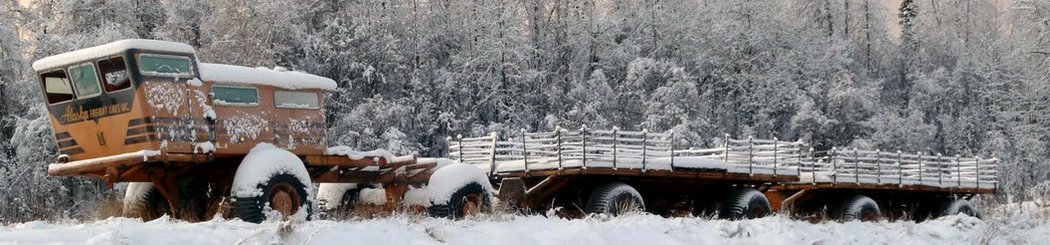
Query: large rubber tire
{"x": 959, "y": 206}
{"x": 614, "y": 198}
{"x": 472, "y": 197}
{"x": 252, "y": 209}
{"x": 745, "y": 203}
{"x": 858, "y": 207}
{"x": 142, "y": 200}
{"x": 457, "y": 190}
{"x": 270, "y": 178}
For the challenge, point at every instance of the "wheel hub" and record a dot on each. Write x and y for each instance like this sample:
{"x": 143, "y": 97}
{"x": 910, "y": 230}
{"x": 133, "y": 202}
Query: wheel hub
{"x": 869, "y": 216}
{"x": 624, "y": 204}
{"x": 757, "y": 212}
{"x": 284, "y": 199}
{"x": 471, "y": 205}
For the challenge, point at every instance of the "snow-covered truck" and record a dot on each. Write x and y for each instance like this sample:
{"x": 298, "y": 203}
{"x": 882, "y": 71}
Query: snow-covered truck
{"x": 611, "y": 171}
{"x": 193, "y": 139}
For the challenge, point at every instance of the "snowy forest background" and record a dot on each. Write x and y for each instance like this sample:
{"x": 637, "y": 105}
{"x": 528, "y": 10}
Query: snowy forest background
{"x": 965, "y": 77}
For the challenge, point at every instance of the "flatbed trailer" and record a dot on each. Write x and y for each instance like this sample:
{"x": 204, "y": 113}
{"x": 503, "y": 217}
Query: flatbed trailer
{"x": 564, "y": 169}
{"x": 906, "y": 186}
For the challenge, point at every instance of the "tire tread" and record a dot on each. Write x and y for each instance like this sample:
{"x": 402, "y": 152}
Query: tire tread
{"x": 603, "y": 195}
{"x": 740, "y": 200}
{"x": 853, "y": 207}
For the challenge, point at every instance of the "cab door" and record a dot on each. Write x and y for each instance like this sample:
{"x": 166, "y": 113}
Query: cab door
{"x": 299, "y": 122}
{"x": 200, "y": 110}
{"x": 117, "y": 102}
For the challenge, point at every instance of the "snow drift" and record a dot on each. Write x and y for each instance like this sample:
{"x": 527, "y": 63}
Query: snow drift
{"x": 632, "y": 229}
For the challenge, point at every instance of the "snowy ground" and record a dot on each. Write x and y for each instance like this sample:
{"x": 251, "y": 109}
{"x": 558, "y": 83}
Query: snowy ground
{"x": 632, "y": 229}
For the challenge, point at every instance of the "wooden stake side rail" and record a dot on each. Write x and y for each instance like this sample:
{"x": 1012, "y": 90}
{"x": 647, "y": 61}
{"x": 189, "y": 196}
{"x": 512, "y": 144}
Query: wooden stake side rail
{"x": 705, "y": 174}
{"x": 561, "y": 150}
{"x": 611, "y": 152}
{"x": 843, "y": 166}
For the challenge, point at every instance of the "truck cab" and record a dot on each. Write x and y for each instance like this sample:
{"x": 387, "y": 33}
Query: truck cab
{"x": 99, "y": 107}
{"x": 155, "y": 97}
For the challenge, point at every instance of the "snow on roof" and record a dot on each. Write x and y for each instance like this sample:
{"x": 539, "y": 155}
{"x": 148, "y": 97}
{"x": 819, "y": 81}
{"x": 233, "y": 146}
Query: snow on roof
{"x": 108, "y": 49}
{"x": 278, "y": 77}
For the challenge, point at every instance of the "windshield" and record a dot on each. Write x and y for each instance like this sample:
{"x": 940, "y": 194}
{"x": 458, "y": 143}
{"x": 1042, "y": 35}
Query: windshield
{"x": 114, "y": 74}
{"x": 56, "y": 87}
{"x": 85, "y": 81}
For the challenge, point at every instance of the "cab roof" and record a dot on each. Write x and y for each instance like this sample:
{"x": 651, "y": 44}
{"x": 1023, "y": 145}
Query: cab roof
{"x": 278, "y": 77}
{"x": 109, "y": 49}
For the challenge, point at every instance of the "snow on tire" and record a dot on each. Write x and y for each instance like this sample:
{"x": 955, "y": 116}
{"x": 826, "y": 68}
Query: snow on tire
{"x": 330, "y": 195}
{"x": 858, "y": 207}
{"x": 340, "y": 196}
{"x": 142, "y": 200}
{"x": 271, "y": 178}
{"x": 744, "y": 203}
{"x": 959, "y": 206}
{"x": 614, "y": 198}
{"x": 459, "y": 190}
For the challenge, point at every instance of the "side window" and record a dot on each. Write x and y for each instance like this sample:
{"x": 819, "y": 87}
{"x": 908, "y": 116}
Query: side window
{"x": 85, "y": 80}
{"x": 114, "y": 74}
{"x": 296, "y": 99}
{"x": 164, "y": 65}
{"x": 236, "y": 96}
{"x": 56, "y": 86}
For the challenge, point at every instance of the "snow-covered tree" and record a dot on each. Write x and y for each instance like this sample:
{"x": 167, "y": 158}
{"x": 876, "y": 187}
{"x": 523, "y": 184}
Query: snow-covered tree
{"x": 183, "y": 21}
{"x": 253, "y": 32}
{"x": 11, "y": 65}
{"x": 592, "y": 102}
{"x": 960, "y": 77}
{"x": 898, "y": 87}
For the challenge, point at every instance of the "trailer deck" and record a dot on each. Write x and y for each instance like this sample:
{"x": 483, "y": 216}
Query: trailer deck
{"x": 792, "y": 165}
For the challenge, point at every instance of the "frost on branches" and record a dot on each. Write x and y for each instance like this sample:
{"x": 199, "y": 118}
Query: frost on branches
{"x": 831, "y": 73}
